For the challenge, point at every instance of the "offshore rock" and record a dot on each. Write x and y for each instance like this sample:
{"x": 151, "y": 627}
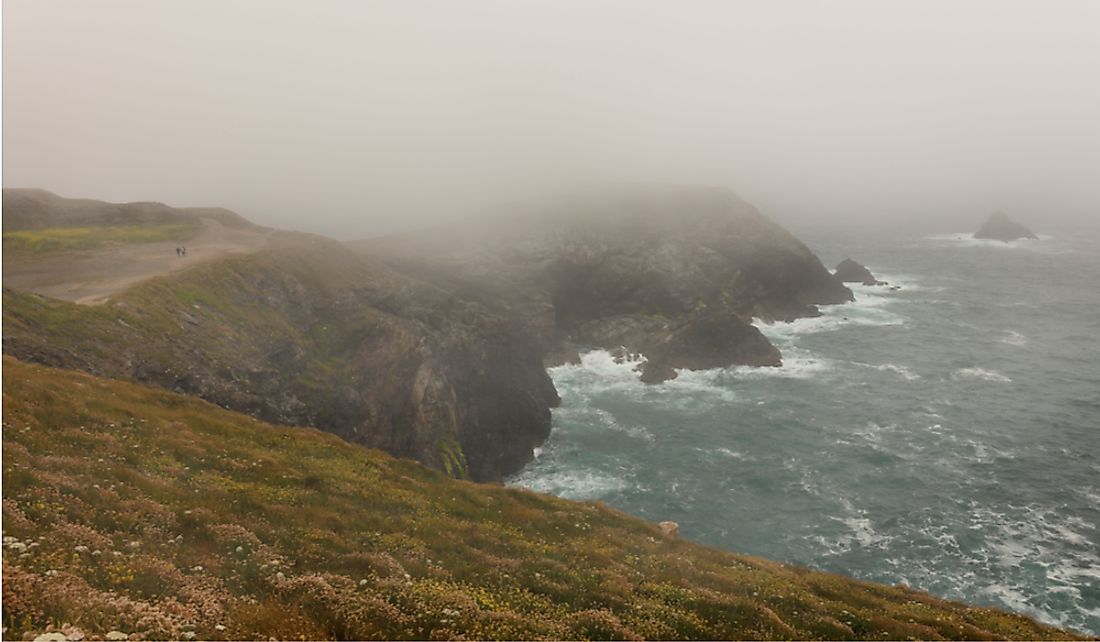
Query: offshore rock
{"x": 849, "y": 271}
{"x": 1000, "y": 227}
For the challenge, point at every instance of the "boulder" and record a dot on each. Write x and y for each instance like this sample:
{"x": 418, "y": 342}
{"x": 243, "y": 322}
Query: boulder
{"x": 1000, "y": 227}
{"x": 670, "y": 530}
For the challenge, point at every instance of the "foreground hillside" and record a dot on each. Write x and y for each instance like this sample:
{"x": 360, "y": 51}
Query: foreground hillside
{"x": 310, "y": 333}
{"x": 142, "y": 511}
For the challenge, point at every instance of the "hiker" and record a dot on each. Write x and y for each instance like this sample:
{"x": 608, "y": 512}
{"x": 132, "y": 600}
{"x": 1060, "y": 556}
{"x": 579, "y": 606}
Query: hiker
{"x": 178, "y": 251}
{"x": 184, "y": 250}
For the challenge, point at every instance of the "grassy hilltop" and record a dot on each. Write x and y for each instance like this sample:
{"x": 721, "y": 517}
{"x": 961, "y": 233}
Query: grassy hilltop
{"x": 135, "y": 509}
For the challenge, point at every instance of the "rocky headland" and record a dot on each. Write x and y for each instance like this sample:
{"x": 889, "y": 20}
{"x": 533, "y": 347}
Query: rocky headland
{"x": 674, "y": 273}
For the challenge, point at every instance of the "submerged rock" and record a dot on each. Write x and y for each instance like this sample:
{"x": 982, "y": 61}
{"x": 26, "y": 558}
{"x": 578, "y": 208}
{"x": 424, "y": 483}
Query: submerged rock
{"x": 849, "y": 271}
{"x": 1000, "y": 227}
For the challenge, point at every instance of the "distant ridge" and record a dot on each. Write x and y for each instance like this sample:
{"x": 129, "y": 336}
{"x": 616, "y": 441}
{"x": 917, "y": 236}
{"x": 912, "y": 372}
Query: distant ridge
{"x": 30, "y": 208}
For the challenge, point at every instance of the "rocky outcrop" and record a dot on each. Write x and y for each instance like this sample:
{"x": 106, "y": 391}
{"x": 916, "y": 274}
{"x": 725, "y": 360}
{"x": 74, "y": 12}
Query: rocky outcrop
{"x": 313, "y": 334}
{"x": 675, "y": 273}
{"x": 848, "y": 271}
{"x": 1000, "y": 227}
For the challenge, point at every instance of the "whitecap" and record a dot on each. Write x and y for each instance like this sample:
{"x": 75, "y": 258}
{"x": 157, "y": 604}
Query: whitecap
{"x": 1014, "y": 338}
{"x": 732, "y": 454}
{"x": 982, "y": 374}
{"x": 901, "y": 371}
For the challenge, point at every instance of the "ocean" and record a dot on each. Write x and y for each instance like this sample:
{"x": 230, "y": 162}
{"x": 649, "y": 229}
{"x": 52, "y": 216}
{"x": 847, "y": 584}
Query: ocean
{"x": 945, "y": 435}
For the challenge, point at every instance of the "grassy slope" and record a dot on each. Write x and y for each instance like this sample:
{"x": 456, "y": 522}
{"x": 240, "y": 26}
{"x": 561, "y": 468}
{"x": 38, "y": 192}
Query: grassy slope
{"x": 136, "y": 509}
{"x": 65, "y": 239}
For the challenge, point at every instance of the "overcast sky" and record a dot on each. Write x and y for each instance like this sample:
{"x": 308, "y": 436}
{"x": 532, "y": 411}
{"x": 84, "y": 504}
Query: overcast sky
{"x": 356, "y": 118}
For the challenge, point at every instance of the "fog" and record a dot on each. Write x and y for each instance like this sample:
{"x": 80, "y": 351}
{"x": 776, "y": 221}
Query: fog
{"x": 361, "y": 118}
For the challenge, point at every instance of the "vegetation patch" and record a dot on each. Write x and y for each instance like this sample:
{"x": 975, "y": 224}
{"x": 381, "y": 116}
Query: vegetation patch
{"x": 138, "y": 510}
{"x": 67, "y": 239}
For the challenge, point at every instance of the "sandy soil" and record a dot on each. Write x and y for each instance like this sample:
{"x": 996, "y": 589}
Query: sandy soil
{"x": 93, "y": 276}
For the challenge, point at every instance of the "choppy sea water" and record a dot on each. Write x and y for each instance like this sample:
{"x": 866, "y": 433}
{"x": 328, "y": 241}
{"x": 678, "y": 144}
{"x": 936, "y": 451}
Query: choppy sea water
{"x": 945, "y": 435}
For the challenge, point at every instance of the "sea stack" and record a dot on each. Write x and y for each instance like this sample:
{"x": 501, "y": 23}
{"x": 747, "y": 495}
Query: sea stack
{"x": 849, "y": 271}
{"x": 1001, "y": 228}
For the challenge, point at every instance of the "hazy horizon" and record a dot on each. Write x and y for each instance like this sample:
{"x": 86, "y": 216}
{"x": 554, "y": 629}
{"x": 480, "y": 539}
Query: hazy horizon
{"x": 354, "y": 119}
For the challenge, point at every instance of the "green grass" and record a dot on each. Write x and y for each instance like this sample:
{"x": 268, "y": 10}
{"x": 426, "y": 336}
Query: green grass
{"x": 137, "y": 509}
{"x": 65, "y": 239}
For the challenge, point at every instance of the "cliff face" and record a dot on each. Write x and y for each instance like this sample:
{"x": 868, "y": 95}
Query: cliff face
{"x": 313, "y": 334}
{"x": 1001, "y": 228}
{"x": 647, "y": 268}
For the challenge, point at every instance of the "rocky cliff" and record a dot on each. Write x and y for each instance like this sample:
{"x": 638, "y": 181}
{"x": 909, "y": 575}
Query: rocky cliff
{"x": 312, "y": 334}
{"x": 1000, "y": 227}
{"x": 676, "y": 273}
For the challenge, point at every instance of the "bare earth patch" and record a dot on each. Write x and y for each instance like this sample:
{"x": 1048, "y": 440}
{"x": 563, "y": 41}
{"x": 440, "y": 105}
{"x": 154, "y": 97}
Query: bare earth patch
{"x": 94, "y": 276}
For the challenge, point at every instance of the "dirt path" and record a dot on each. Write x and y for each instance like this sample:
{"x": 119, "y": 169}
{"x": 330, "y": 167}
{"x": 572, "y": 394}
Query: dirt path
{"x": 93, "y": 276}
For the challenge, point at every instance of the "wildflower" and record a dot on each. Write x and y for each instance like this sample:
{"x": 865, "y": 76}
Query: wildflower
{"x": 240, "y": 549}
{"x": 219, "y": 627}
{"x": 279, "y": 576}
{"x": 196, "y": 569}
{"x": 81, "y": 549}
{"x": 362, "y": 582}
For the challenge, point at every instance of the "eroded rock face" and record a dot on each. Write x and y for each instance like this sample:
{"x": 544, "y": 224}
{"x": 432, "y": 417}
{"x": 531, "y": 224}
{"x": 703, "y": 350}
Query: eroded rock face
{"x": 1000, "y": 227}
{"x": 848, "y": 271}
{"x": 677, "y": 274}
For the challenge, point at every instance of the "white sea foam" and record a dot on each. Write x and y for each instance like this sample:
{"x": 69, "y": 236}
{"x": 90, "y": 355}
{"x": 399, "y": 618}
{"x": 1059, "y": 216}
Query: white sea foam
{"x": 732, "y": 454}
{"x": 981, "y": 374}
{"x": 901, "y": 371}
{"x": 795, "y": 366}
{"x": 867, "y": 310}
{"x": 1014, "y": 338}
{"x": 967, "y": 240}
{"x": 572, "y": 484}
